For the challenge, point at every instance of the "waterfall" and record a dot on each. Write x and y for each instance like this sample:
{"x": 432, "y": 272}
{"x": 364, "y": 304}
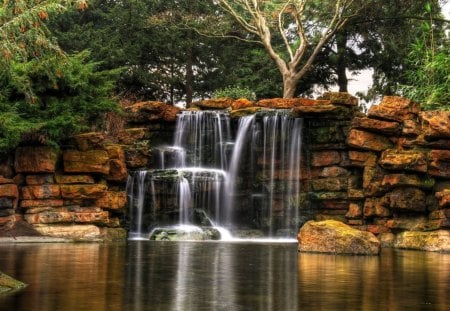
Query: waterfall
{"x": 207, "y": 178}
{"x": 242, "y": 138}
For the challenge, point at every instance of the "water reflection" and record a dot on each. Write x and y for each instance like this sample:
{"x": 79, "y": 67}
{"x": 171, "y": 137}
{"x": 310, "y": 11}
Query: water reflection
{"x": 220, "y": 276}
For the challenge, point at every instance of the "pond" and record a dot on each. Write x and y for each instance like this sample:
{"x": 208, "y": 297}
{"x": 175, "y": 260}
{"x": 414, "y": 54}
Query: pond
{"x": 143, "y": 275}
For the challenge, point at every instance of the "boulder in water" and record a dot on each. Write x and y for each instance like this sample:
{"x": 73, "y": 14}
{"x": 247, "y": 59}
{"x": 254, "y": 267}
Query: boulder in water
{"x": 8, "y": 284}
{"x": 331, "y": 236}
{"x": 434, "y": 241}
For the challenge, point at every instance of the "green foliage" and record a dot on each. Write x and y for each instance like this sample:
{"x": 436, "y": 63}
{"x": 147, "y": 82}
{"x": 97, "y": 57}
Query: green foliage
{"x": 50, "y": 99}
{"x": 428, "y": 77}
{"x": 234, "y": 92}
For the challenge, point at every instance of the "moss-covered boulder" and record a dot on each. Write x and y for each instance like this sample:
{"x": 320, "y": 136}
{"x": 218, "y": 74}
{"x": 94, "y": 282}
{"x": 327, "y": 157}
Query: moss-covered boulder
{"x": 9, "y": 284}
{"x": 330, "y": 236}
{"x": 434, "y": 241}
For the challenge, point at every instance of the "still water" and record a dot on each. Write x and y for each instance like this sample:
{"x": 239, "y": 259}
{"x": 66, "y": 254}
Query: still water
{"x": 195, "y": 276}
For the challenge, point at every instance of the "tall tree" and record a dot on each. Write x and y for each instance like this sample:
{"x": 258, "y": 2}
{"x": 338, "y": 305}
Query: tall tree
{"x": 304, "y": 26}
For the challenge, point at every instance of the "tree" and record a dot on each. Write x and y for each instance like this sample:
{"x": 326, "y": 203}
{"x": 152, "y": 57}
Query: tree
{"x": 304, "y": 30}
{"x": 23, "y": 31}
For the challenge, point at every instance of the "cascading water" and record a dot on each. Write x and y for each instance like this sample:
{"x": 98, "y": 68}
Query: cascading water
{"x": 206, "y": 179}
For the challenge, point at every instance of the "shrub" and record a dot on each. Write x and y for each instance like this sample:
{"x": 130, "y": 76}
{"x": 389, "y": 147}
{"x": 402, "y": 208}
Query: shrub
{"x": 234, "y": 92}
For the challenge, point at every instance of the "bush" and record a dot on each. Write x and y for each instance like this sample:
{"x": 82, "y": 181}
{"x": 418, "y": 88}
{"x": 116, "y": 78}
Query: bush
{"x": 234, "y": 92}
{"x": 47, "y": 100}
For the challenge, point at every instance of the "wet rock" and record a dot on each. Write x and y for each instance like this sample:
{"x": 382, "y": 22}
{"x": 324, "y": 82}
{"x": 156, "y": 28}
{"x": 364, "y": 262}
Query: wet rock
{"x": 137, "y": 156}
{"x": 368, "y": 141}
{"x": 434, "y": 241}
{"x": 241, "y": 103}
{"x": 89, "y": 141}
{"x": 39, "y": 179}
{"x": 436, "y": 124}
{"x": 9, "y": 284}
{"x": 91, "y": 161}
{"x": 244, "y": 112}
{"x": 408, "y": 160}
{"x": 48, "y": 191}
{"x": 336, "y": 237}
{"x": 378, "y": 126}
{"x": 83, "y": 191}
{"x": 184, "y": 233}
{"x": 35, "y": 160}
{"x": 394, "y": 108}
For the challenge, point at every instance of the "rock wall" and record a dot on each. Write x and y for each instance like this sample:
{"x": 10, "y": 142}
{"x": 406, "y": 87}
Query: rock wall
{"x": 386, "y": 172}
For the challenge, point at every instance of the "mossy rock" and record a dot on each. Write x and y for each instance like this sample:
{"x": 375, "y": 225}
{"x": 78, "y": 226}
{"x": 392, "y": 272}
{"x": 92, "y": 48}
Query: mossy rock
{"x": 9, "y": 284}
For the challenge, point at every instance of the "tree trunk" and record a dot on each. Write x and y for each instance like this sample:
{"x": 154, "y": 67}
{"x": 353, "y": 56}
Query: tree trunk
{"x": 341, "y": 62}
{"x": 289, "y": 86}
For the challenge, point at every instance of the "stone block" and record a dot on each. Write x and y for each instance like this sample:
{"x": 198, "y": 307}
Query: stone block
{"x": 411, "y": 128}
{"x": 6, "y": 203}
{"x": 56, "y": 216}
{"x": 436, "y": 124}
{"x": 409, "y": 160}
{"x": 439, "y": 163}
{"x": 329, "y": 184}
{"x": 368, "y": 141}
{"x": 4, "y": 180}
{"x": 362, "y": 158}
{"x": 137, "y": 156}
{"x": 35, "y": 160}
{"x": 91, "y": 161}
{"x": 443, "y": 198}
{"x": 9, "y": 191}
{"x": 117, "y": 166}
{"x": 132, "y": 135}
{"x": 376, "y": 207}
{"x": 113, "y": 200}
{"x": 407, "y": 199}
{"x": 391, "y": 181}
{"x": 217, "y": 103}
{"x": 83, "y": 191}
{"x": 39, "y": 179}
{"x": 340, "y": 98}
{"x": 74, "y": 179}
{"x": 41, "y": 192}
{"x": 41, "y": 203}
{"x": 325, "y": 158}
{"x": 89, "y": 141}
{"x": 394, "y": 108}
{"x": 71, "y": 231}
{"x": 377, "y": 126}
{"x": 435, "y": 241}
{"x": 354, "y": 211}
{"x": 241, "y": 103}
{"x": 334, "y": 171}
{"x": 322, "y": 110}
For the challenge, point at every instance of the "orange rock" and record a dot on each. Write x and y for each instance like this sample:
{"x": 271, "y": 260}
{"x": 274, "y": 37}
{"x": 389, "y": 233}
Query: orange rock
{"x": 376, "y": 207}
{"x": 217, "y": 103}
{"x": 362, "y": 158}
{"x": 131, "y": 135}
{"x": 379, "y": 126}
{"x": 74, "y": 179}
{"x": 395, "y": 108}
{"x": 341, "y": 98}
{"x": 113, "y": 200}
{"x": 117, "y": 166}
{"x": 409, "y": 160}
{"x": 325, "y": 158}
{"x": 35, "y": 160}
{"x": 92, "y": 140}
{"x": 39, "y": 179}
{"x": 368, "y": 141}
{"x": 321, "y": 109}
{"x": 407, "y": 199}
{"x": 329, "y": 184}
{"x": 241, "y": 103}
{"x": 41, "y": 203}
{"x": 91, "y": 161}
{"x": 399, "y": 180}
{"x": 436, "y": 124}
{"x": 5, "y": 180}
{"x": 63, "y": 216}
{"x": 334, "y": 171}
{"x": 7, "y": 222}
{"x": 89, "y": 191}
{"x": 48, "y": 191}
{"x": 444, "y": 198}
{"x": 411, "y": 128}
{"x": 354, "y": 211}
{"x": 169, "y": 113}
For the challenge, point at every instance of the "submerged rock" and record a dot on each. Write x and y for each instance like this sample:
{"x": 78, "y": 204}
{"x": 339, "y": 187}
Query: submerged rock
{"x": 9, "y": 284}
{"x": 332, "y": 236}
{"x": 185, "y": 233}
